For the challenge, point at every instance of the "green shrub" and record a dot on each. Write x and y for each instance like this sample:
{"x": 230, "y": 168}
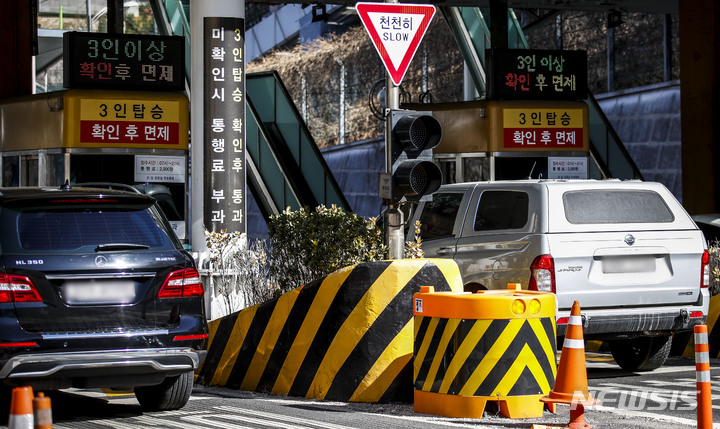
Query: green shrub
{"x": 413, "y": 249}
{"x": 309, "y": 244}
{"x": 305, "y": 245}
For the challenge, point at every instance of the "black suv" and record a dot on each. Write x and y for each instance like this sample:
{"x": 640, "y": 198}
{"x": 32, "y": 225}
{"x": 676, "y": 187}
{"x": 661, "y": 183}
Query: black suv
{"x": 97, "y": 291}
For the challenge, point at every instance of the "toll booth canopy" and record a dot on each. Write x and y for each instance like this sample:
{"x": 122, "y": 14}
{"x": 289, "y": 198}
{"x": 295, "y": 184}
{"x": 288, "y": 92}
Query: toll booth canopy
{"x": 99, "y": 138}
{"x": 513, "y": 139}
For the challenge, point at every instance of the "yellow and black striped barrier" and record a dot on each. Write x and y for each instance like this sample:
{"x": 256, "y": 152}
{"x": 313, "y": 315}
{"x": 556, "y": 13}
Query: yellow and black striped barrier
{"x": 489, "y": 346}
{"x": 345, "y": 337}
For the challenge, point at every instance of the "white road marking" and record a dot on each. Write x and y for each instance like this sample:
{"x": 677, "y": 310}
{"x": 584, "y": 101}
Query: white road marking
{"x": 214, "y": 420}
{"x": 420, "y": 418}
{"x": 688, "y": 396}
{"x": 293, "y": 419}
{"x": 632, "y": 414}
{"x": 157, "y": 421}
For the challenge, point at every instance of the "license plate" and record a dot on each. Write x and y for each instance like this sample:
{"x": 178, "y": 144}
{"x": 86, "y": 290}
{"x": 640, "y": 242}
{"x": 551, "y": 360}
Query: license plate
{"x": 99, "y": 292}
{"x": 634, "y": 264}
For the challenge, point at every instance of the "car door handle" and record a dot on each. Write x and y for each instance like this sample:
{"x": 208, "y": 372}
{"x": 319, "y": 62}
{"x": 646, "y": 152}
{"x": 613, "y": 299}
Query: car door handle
{"x": 445, "y": 250}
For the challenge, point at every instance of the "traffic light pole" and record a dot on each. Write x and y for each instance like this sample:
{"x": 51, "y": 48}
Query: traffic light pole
{"x": 394, "y": 218}
{"x": 410, "y": 174}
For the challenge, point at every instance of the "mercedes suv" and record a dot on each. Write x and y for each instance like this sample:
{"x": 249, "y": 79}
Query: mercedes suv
{"x": 97, "y": 291}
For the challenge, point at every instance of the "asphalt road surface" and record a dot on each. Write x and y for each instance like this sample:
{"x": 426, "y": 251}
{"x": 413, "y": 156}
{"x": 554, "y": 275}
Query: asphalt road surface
{"x": 662, "y": 398}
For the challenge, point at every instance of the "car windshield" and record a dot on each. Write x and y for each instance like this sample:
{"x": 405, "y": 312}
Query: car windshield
{"x": 70, "y": 230}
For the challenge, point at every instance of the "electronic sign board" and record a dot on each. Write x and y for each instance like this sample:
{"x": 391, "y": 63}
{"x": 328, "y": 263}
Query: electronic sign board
{"x": 528, "y": 74}
{"x": 123, "y": 61}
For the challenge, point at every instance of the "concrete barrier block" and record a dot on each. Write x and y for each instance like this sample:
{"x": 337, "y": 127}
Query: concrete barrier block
{"x": 345, "y": 337}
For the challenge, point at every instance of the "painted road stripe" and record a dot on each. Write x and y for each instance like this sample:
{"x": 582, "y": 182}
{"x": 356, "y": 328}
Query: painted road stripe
{"x": 282, "y": 417}
{"x": 425, "y": 420}
{"x": 220, "y": 421}
{"x": 715, "y": 366}
{"x": 632, "y": 414}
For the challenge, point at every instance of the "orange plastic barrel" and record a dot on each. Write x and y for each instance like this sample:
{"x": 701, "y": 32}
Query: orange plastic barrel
{"x": 489, "y": 346}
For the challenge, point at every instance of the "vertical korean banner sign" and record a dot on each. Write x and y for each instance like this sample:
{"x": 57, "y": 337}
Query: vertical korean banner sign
{"x": 224, "y": 131}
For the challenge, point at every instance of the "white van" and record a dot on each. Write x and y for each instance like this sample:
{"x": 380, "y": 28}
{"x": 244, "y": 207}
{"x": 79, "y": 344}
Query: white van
{"x": 627, "y": 251}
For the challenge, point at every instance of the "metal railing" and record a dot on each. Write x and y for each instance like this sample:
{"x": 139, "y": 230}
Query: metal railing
{"x": 291, "y": 142}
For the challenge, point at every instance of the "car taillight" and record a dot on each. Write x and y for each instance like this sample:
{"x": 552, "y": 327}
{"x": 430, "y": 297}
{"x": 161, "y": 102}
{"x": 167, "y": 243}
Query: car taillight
{"x": 542, "y": 274}
{"x": 181, "y": 284}
{"x": 24, "y": 345}
{"x": 190, "y": 337}
{"x": 705, "y": 270}
{"x": 18, "y": 289}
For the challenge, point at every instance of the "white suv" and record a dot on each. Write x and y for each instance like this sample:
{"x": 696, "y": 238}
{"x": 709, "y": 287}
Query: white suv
{"x": 626, "y": 250}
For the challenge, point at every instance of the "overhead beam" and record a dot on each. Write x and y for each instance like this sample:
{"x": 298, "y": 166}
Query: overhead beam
{"x": 541, "y": 20}
{"x": 641, "y": 6}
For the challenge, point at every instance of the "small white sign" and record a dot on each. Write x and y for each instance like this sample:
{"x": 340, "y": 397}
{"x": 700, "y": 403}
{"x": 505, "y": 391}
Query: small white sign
{"x": 567, "y": 167}
{"x": 385, "y": 185}
{"x": 418, "y": 305}
{"x": 159, "y": 169}
{"x": 178, "y": 227}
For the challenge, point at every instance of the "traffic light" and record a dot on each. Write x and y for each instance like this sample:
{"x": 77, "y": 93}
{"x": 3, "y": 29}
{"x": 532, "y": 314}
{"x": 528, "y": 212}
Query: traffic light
{"x": 413, "y": 136}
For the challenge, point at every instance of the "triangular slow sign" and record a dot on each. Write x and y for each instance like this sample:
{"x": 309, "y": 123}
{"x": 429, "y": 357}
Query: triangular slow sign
{"x": 396, "y": 30}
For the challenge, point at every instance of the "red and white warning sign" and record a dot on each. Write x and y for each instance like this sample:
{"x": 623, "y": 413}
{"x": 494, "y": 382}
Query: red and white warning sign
{"x": 396, "y": 31}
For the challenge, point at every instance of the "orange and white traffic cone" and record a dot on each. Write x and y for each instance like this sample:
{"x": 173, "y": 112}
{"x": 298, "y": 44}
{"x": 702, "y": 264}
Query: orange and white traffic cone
{"x": 702, "y": 374}
{"x": 571, "y": 385}
{"x": 21, "y": 408}
{"x": 42, "y": 411}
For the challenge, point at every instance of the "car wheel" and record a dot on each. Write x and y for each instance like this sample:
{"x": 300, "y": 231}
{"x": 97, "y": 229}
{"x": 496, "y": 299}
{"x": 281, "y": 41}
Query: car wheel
{"x": 171, "y": 394}
{"x": 642, "y": 353}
